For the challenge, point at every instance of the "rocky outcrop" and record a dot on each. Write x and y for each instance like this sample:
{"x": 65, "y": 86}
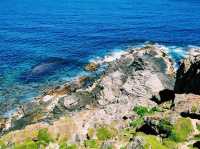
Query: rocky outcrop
{"x": 127, "y": 82}
{"x": 138, "y": 74}
{"x": 188, "y": 76}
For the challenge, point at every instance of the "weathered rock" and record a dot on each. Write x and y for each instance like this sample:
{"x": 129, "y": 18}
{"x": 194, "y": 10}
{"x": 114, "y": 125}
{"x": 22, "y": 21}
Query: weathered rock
{"x": 188, "y": 76}
{"x": 142, "y": 73}
{"x": 137, "y": 143}
{"x": 70, "y": 101}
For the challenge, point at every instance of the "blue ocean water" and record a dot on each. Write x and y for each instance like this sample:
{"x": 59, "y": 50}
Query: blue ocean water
{"x": 67, "y": 34}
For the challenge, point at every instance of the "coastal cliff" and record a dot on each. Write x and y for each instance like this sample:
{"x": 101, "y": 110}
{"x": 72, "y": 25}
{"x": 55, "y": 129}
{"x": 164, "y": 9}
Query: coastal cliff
{"x": 138, "y": 101}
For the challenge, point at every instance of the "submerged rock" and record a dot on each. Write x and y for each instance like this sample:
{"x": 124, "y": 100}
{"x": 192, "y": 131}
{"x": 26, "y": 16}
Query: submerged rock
{"x": 91, "y": 67}
{"x": 48, "y": 66}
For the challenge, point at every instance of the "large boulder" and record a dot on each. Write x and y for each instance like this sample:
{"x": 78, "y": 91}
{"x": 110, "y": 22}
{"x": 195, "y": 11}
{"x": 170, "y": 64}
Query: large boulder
{"x": 188, "y": 76}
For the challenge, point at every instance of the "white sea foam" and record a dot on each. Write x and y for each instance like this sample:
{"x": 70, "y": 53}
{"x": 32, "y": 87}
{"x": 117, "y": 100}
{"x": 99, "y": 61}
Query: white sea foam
{"x": 193, "y": 50}
{"x": 110, "y": 57}
{"x": 116, "y": 54}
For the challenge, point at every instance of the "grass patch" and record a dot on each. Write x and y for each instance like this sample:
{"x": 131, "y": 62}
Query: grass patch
{"x": 165, "y": 127}
{"x": 194, "y": 108}
{"x": 44, "y": 137}
{"x": 126, "y": 134}
{"x": 152, "y": 142}
{"x": 198, "y": 126}
{"x": 105, "y": 133}
{"x": 67, "y": 146}
{"x": 181, "y": 130}
{"x": 91, "y": 144}
{"x": 2, "y": 145}
{"x": 91, "y": 132}
{"x": 137, "y": 123}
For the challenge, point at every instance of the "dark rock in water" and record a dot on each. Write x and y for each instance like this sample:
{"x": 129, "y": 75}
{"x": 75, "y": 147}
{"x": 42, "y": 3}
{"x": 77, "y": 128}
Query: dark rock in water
{"x": 44, "y": 68}
{"x": 188, "y": 76}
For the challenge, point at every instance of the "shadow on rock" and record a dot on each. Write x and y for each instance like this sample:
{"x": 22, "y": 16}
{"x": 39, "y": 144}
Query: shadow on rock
{"x": 190, "y": 115}
{"x": 164, "y": 96}
{"x": 197, "y": 145}
{"x": 188, "y": 76}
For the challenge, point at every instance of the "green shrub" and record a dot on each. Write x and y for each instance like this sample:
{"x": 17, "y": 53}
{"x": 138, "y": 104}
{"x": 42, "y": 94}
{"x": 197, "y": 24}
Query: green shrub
{"x": 165, "y": 127}
{"x": 104, "y": 133}
{"x": 91, "y": 132}
{"x": 194, "y": 108}
{"x": 122, "y": 147}
{"x": 27, "y": 145}
{"x": 198, "y": 126}
{"x": 142, "y": 111}
{"x": 44, "y": 137}
{"x": 127, "y": 133}
{"x": 67, "y": 146}
{"x": 181, "y": 130}
{"x": 137, "y": 123}
{"x": 197, "y": 137}
{"x": 91, "y": 144}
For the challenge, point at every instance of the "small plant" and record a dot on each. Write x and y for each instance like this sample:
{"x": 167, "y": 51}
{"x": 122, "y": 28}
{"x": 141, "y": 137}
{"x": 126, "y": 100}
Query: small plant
{"x": 198, "y": 126}
{"x": 123, "y": 147}
{"x": 194, "y": 109}
{"x": 142, "y": 111}
{"x": 67, "y": 146}
{"x": 127, "y": 133}
{"x": 137, "y": 123}
{"x": 91, "y": 144}
{"x": 44, "y": 137}
{"x": 91, "y": 132}
{"x": 181, "y": 130}
{"x": 104, "y": 133}
{"x": 2, "y": 145}
{"x": 165, "y": 127}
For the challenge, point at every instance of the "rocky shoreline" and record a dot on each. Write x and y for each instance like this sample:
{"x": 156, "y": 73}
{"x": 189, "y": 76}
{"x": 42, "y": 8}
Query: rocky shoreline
{"x": 132, "y": 105}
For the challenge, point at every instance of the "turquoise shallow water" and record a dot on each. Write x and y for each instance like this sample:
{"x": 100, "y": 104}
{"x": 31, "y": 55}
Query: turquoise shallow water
{"x": 47, "y": 42}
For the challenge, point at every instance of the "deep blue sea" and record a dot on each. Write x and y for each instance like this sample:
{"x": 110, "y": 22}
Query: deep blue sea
{"x": 47, "y": 42}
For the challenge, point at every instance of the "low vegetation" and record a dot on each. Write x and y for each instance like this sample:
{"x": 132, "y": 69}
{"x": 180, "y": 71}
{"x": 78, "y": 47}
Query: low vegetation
{"x": 181, "y": 130}
{"x": 104, "y": 133}
{"x": 142, "y": 111}
{"x": 171, "y": 135}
